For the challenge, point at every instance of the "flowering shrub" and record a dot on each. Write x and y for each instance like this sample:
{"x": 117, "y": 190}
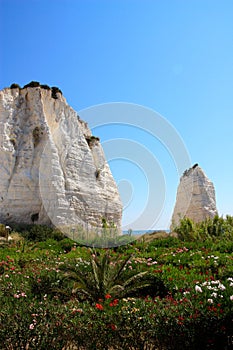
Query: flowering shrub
{"x": 40, "y": 308}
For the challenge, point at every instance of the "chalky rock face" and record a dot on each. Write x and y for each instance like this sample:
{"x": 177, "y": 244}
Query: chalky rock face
{"x": 52, "y": 170}
{"x": 195, "y": 197}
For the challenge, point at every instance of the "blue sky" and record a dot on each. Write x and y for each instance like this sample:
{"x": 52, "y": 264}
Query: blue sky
{"x": 174, "y": 57}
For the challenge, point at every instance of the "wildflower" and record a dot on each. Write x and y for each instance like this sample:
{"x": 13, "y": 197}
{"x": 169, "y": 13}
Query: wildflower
{"x": 114, "y": 302}
{"x": 214, "y": 295}
{"x": 210, "y": 301}
{"x": 23, "y": 295}
{"x": 198, "y": 289}
{"x": 112, "y": 326}
{"x": 231, "y": 297}
{"x": 108, "y": 296}
{"x": 99, "y": 306}
{"x": 6, "y": 276}
{"x": 16, "y": 296}
{"x": 31, "y": 326}
{"x": 221, "y": 286}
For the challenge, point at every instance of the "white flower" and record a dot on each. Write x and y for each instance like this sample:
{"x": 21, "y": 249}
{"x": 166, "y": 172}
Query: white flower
{"x": 210, "y": 301}
{"x": 198, "y": 289}
{"x": 221, "y": 286}
{"x": 185, "y": 293}
{"x": 231, "y": 297}
{"x": 214, "y": 295}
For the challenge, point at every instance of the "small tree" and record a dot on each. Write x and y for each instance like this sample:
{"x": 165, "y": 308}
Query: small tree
{"x": 108, "y": 277}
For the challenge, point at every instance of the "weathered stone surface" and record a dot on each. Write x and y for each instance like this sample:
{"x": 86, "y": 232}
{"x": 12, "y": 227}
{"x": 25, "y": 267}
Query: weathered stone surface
{"x": 52, "y": 170}
{"x": 195, "y": 197}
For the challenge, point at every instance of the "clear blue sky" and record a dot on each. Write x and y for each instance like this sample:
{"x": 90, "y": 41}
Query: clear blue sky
{"x": 175, "y": 57}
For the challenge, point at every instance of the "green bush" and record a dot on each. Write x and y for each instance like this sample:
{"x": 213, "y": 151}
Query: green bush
{"x": 46, "y": 87}
{"x": 212, "y": 229}
{"x": 32, "y": 84}
{"x": 55, "y": 90}
{"x": 50, "y": 285}
{"x": 37, "y": 233}
{"x": 15, "y": 86}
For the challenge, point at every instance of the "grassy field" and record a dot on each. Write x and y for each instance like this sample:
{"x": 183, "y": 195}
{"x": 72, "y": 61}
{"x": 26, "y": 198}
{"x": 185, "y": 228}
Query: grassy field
{"x": 164, "y": 293}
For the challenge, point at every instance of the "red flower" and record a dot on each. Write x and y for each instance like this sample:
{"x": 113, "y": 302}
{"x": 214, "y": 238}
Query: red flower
{"x": 112, "y": 326}
{"x": 108, "y": 296}
{"x": 114, "y": 302}
{"x": 99, "y": 306}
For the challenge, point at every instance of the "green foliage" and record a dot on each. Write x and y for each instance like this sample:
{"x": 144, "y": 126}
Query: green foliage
{"x": 42, "y": 307}
{"x": 32, "y": 84}
{"x": 210, "y": 229}
{"x": 35, "y": 84}
{"x": 50, "y": 285}
{"x": 15, "y": 86}
{"x": 92, "y": 140}
{"x": 46, "y": 87}
{"x": 55, "y": 90}
{"x": 37, "y": 233}
{"x": 107, "y": 276}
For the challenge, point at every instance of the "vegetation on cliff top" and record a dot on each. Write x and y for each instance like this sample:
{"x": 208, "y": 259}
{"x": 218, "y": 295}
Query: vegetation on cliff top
{"x": 35, "y": 84}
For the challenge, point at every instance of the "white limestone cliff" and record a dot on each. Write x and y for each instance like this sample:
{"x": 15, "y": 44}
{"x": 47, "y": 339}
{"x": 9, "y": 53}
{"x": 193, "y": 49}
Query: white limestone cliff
{"x": 52, "y": 170}
{"x": 195, "y": 197}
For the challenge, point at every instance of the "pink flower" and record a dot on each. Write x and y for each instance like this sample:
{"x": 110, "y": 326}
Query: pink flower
{"x": 31, "y": 326}
{"x": 16, "y": 296}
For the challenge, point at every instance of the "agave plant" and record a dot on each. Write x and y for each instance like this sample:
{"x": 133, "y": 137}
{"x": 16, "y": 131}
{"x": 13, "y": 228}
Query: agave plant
{"x": 106, "y": 276}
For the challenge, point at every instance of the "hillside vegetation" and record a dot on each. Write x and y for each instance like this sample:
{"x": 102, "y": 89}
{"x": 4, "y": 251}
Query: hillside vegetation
{"x": 170, "y": 293}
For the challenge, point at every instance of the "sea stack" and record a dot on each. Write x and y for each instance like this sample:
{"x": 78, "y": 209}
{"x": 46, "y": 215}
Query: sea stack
{"x": 195, "y": 197}
{"x": 53, "y": 170}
